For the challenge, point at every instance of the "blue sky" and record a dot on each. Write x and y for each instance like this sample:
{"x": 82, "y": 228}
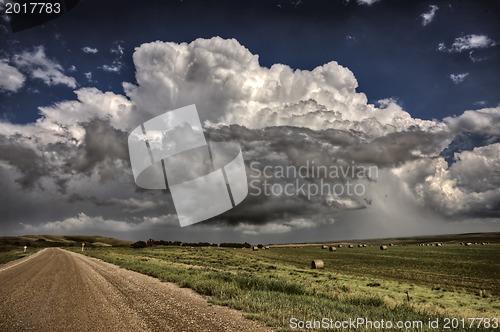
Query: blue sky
{"x": 413, "y": 61}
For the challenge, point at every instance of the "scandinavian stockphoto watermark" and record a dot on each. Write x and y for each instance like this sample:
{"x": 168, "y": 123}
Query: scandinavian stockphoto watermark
{"x": 365, "y": 323}
{"x": 310, "y": 179}
{"x": 205, "y": 178}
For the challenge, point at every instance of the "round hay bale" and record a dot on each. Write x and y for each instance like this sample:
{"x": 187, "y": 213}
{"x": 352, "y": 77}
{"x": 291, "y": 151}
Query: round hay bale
{"x": 439, "y": 244}
{"x": 255, "y": 248}
{"x": 392, "y": 244}
{"x": 383, "y": 247}
{"x": 461, "y": 243}
{"x": 360, "y": 245}
{"x": 317, "y": 264}
{"x": 332, "y": 248}
{"x": 364, "y": 245}
{"x": 483, "y": 244}
{"x": 267, "y": 247}
{"x": 351, "y": 246}
{"x": 324, "y": 247}
{"x": 468, "y": 244}
{"x": 340, "y": 246}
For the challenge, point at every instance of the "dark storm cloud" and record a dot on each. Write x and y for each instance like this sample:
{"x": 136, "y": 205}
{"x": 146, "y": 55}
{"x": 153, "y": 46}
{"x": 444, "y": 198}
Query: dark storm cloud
{"x": 284, "y": 147}
{"x": 102, "y": 146}
{"x": 30, "y": 164}
{"x": 261, "y": 210}
{"x": 130, "y": 204}
{"x": 397, "y": 148}
{"x": 293, "y": 146}
{"x": 302, "y": 144}
{"x": 280, "y": 137}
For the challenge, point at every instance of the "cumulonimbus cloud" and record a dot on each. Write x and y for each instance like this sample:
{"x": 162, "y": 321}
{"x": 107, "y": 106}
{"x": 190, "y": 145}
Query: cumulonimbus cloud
{"x": 280, "y": 116}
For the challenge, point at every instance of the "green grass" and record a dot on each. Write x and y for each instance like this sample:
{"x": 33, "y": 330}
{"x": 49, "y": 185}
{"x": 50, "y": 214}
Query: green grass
{"x": 13, "y": 254}
{"x": 451, "y": 267}
{"x": 277, "y": 284}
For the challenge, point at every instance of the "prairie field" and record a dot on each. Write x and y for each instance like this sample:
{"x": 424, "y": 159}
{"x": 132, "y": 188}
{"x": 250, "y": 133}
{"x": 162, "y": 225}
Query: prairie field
{"x": 407, "y": 282}
{"x": 10, "y": 255}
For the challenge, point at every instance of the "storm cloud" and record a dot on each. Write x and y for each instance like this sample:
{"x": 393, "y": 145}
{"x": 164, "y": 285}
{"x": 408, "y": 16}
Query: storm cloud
{"x": 281, "y": 117}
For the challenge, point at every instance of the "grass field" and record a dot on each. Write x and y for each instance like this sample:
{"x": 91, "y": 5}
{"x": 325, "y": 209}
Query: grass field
{"x": 277, "y": 284}
{"x": 13, "y": 254}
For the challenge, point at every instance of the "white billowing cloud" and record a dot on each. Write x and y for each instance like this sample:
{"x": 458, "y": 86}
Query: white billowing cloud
{"x": 470, "y": 186}
{"x": 134, "y": 205}
{"x": 115, "y": 68}
{"x": 429, "y": 16}
{"x": 468, "y": 42}
{"x": 11, "y": 79}
{"x": 37, "y": 65}
{"x": 278, "y": 227}
{"x": 484, "y": 121}
{"x": 458, "y": 78}
{"x": 229, "y": 86}
{"x": 431, "y": 183}
{"x": 471, "y": 42}
{"x": 344, "y": 202}
{"x": 89, "y": 50}
{"x": 84, "y": 223}
{"x": 367, "y": 2}
{"x": 62, "y": 122}
{"x": 478, "y": 171}
{"x": 270, "y": 228}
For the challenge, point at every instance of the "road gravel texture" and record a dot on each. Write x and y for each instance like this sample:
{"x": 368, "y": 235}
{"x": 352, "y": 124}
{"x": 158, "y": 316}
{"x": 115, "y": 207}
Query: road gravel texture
{"x": 58, "y": 290}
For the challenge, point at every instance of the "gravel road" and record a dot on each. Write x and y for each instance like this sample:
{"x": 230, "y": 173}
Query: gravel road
{"x": 57, "y": 290}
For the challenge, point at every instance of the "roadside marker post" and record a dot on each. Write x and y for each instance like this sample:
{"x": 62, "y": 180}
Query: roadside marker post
{"x": 25, "y": 247}
{"x": 83, "y": 246}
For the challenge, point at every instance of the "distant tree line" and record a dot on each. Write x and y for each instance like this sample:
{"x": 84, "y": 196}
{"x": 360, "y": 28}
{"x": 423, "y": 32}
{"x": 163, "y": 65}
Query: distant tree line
{"x": 151, "y": 242}
{"x": 235, "y": 245}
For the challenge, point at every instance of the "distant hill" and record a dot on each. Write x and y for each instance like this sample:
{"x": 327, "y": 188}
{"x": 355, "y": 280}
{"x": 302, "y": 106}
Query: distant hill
{"x": 493, "y": 237}
{"x": 61, "y": 241}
